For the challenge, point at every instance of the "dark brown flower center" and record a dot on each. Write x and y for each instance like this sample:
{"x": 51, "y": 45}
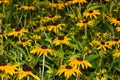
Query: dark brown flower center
{"x": 86, "y": 21}
{"x": 24, "y": 40}
{"x": 51, "y": 16}
{"x": 60, "y": 38}
{"x": 116, "y": 39}
{"x": 27, "y": 68}
{"x": 103, "y": 43}
{"x": 3, "y": 63}
{"x": 68, "y": 67}
{"x": 17, "y": 29}
{"x": 44, "y": 47}
{"x": 56, "y": 24}
{"x": 90, "y": 11}
{"x": 80, "y": 59}
{"x": 118, "y": 19}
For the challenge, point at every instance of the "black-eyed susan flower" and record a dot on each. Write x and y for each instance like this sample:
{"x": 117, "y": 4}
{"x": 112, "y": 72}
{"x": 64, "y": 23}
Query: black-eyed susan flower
{"x": 80, "y": 1}
{"x": 118, "y": 29}
{"x": 26, "y": 8}
{"x": 61, "y": 40}
{"x": 114, "y": 42}
{"x": 18, "y": 32}
{"x": 57, "y": 5}
{"x": 42, "y": 50}
{"x": 36, "y": 37}
{"x": 24, "y": 42}
{"x": 116, "y": 53}
{"x": 8, "y": 68}
{"x": 103, "y": 45}
{"x": 80, "y": 62}
{"x": 49, "y": 18}
{"x": 41, "y": 28}
{"x": 55, "y": 27}
{"x": 101, "y": 78}
{"x": 27, "y": 71}
{"x": 94, "y": 42}
{"x": 4, "y": 1}
{"x": 115, "y": 21}
{"x": 84, "y": 23}
{"x": 101, "y": 35}
{"x": 91, "y": 14}
{"x": 68, "y": 71}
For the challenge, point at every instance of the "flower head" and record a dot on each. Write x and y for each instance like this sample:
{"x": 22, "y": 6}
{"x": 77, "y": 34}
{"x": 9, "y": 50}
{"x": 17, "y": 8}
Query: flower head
{"x": 4, "y": 1}
{"x": 25, "y": 72}
{"x": 26, "y": 8}
{"x": 42, "y": 50}
{"x": 80, "y": 62}
{"x": 61, "y": 40}
{"x": 16, "y": 32}
{"x": 91, "y": 14}
{"x": 8, "y": 68}
{"x": 116, "y": 53}
{"x": 85, "y": 23}
{"x": 68, "y": 71}
{"x": 24, "y": 42}
{"x": 115, "y": 21}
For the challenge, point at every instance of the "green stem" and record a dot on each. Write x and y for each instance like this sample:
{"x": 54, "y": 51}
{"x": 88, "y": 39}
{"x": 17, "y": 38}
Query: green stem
{"x": 43, "y": 66}
{"x": 4, "y": 10}
{"x": 85, "y": 31}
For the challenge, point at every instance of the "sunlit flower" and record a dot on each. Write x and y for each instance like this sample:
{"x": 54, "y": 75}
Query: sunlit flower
{"x": 103, "y": 45}
{"x": 50, "y": 18}
{"x": 118, "y": 29}
{"x": 70, "y": 2}
{"x": 41, "y": 28}
{"x": 57, "y": 5}
{"x": 4, "y": 1}
{"x": 87, "y": 50}
{"x": 101, "y": 35}
{"x": 94, "y": 42}
{"x": 85, "y": 23}
{"x": 55, "y": 27}
{"x": 27, "y": 71}
{"x": 115, "y": 21}
{"x": 26, "y": 8}
{"x": 117, "y": 10}
{"x": 24, "y": 42}
{"x": 80, "y": 62}
{"x": 36, "y": 37}
{"x": 68, "y": 71}
{"x": 16, "y": 32}
{"x": 115, "y": 42}
{"x": 61, "y": 40}
{"x": 91, "y": 14}
{"x": 42, "y": 50}
{"x": 8, "y": 68}
{"x": 102, "y": 78}
{"x": 116, "y": 53}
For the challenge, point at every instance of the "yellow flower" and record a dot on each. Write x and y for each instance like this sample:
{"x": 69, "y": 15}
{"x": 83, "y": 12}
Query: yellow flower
{"x": 94, "y": 42}
{"x": 116, "y": 53}
{"x": 42, "y": 50}
{"x": 26, "y": 8}
{"x": 55, "y": 27}
{"x": 41, "y": 28}
{"x": 80, "y": 62}
{"x": 36, "y": 37}
{"x": 70, "y": 2}
{"x": 115, "y": 21}
{"x": 4, "y": 1}
{"x": 103, "y": 45}
{"x": 8, "y": 68}
{"x": 25, "y": 72}
{"x": 102, "y": 78}
{"x": 68, "y": 71}
{"x": 24, "y": 42}
{"x": 50, "y": 18}
{"x": 57, "y": 5}
{"x": 101, "y": 35}
{"x": 61, "y": 40}
{"x": 91, "y": 14}
{"x": 16, "y": 32}
{"x": 85, "y": 23}
{"x": 118, "y": 29}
